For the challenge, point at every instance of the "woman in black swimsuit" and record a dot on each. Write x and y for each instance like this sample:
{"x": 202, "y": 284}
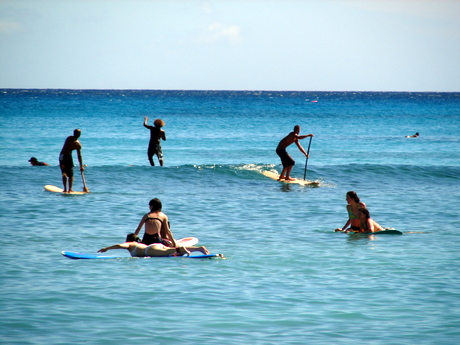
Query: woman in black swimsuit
{"x": 156, "y": 226}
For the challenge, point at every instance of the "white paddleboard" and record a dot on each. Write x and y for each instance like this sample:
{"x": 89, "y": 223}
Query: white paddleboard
{"x": 276, "y": 176}
{"x": 54, "y": 189}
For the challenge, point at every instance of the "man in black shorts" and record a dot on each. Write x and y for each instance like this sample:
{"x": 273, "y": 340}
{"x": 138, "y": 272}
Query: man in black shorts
{"x": 66, "y": 161}
{"x": 286, "y": 159}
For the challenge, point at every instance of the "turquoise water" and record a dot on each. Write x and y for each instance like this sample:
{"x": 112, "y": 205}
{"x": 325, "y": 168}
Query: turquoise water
{"x": 288, "y": 278}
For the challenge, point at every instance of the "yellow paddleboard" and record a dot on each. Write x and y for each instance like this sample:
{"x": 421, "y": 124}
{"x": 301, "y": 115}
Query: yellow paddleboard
{"x": 54, "y": 189}
{"x": 276, "y": 176}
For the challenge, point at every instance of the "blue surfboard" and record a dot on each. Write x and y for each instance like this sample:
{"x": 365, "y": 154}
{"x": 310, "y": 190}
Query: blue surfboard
{"x": 83, "y": 256}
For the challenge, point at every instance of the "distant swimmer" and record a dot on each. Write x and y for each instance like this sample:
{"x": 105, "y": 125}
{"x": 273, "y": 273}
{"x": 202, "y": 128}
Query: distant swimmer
{"x": 66, "y": 161}
{"x": 34, "y": 161}
{"x": 137, "y": 249}
{"x": 286, "y": 159}
{"x": 156, "y": 134}
{"x": 413, "y": 136}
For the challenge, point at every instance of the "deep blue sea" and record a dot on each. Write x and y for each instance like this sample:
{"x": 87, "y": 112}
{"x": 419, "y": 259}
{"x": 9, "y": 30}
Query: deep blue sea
{"x": 288, "y": 277}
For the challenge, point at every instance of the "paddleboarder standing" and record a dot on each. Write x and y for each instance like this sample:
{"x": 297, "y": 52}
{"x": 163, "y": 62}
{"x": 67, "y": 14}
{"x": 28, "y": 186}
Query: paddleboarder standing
{"x": 286, "y": 159}
{"x": 66, "y": 161}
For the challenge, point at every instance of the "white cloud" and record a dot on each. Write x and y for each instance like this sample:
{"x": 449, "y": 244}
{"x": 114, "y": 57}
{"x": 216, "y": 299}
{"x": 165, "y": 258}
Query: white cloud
{"x": 218, "y": 32}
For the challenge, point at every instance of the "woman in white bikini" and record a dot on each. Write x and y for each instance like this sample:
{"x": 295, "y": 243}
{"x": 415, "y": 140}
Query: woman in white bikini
{"x": 354, "y": 204}
{"x": 137, "y": 249}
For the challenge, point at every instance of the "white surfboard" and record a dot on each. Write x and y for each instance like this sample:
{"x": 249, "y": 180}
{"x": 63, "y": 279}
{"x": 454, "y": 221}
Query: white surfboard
{"x": 54, "y": 189}
{"x": 276, "y": 176}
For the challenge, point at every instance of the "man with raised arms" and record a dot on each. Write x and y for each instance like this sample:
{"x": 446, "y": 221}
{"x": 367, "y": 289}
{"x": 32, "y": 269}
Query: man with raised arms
{"x": 286, "y": 159}
{"x": 66, "y": 161}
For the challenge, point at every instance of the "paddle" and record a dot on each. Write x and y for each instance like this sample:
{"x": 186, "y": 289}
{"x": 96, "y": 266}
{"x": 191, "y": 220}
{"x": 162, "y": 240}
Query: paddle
{"x": 85, "y": 189}
{"x": 306, "y": 162}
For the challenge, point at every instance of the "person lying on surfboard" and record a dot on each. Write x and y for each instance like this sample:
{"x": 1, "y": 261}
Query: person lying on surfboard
{"x": 156, "y": 226}
{"x": 367, "y": 224}
{"x": 137, "y": 249}
{"x": 286, "y": 159}
{"x": 66, "y": 161}
{"x": 353, "y": 205}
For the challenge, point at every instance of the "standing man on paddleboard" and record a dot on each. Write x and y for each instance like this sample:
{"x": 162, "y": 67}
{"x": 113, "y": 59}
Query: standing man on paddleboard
{"x": 286, "y": 159}
{"x": 66, "y": 161}
{"x": 156, "y": 134}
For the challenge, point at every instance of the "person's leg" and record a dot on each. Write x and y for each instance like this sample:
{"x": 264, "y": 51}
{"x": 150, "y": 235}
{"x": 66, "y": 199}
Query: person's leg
{"x": 64, "y": 182}
{"x": 70, "y": 184}
{"x": 283, "y": 173}
{"x": 152, "y": 163}
{"x": 288, "y": 173}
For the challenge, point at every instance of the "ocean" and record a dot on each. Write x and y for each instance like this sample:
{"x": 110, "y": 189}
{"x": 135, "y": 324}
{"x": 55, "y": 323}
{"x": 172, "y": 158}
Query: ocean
{"x": 288, "y": 278}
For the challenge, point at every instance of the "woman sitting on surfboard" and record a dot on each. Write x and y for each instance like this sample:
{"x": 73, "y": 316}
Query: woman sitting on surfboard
{"x": 354, "y": 204}
{"x": 156, "y": 226}
{"x": 137, "y": 249}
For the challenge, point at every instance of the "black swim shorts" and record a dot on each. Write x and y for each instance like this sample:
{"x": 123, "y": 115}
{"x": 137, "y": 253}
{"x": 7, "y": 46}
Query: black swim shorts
{"x": 66, "y": 164}
{"x": 286, "y": 160}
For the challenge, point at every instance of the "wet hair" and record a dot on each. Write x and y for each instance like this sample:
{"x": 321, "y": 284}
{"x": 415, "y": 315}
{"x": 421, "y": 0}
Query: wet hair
{"x": 159, "y": 123}
{"x": 296, "y": 127}
{"x": 155, "y": 205}
{"x": 366, "y": 213}
{"x": 132, "y": 238}
{"x": 354, "y": 196}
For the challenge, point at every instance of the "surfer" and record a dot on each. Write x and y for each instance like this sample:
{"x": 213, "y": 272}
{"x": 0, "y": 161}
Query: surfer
{"x": 156, "y": 134}
{"x": 286, "y": 159}
{"x": 34, "y": 161}
{"x": 66, "y": 161}
{"x": 156, "y": 226}
{"x": 353, "y": 206}
{"x": 413, "y": 136}
{"x": 137, "y": 249}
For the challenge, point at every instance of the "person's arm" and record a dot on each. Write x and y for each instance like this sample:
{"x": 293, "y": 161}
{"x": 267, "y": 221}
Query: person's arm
{"x": 346, "y": 224}
{"x": 80, "y": 159}
{"x": 146, "y": 119}
{"x": 115, "y": 246}
{"x": 304, "y": 136}
{"x": 139, "y": 227}
{"x": 163, "y": 135}
{"x": 301, "y": 148}
{"x": 167, "y": 231}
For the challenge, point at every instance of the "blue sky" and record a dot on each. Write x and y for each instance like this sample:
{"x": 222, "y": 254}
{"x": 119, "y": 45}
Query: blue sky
{"x": 321, "y": 45}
